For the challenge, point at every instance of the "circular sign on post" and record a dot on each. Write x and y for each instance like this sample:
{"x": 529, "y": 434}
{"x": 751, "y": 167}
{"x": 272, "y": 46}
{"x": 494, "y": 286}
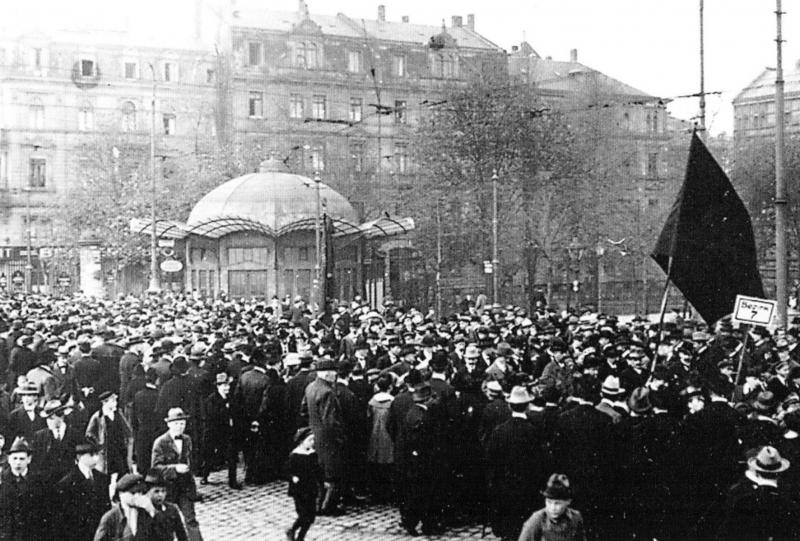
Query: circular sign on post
{"x": 171, "y": 265}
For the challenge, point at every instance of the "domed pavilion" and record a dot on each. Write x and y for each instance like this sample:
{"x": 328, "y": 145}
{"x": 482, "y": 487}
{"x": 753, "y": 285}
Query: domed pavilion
{"x": 256, "y": 235}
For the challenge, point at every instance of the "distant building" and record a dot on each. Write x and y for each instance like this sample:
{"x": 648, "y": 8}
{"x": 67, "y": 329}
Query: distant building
{"x": 639, "y": 160}
{"x": 61, "y": 93}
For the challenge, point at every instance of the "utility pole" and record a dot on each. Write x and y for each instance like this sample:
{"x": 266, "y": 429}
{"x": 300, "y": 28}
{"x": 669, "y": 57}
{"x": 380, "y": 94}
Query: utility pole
{"x": 495, "y": 260}
{"x": 154, "y": 278}
{"x": 318, "y": 240}
{"x": 702, "y": 78}
{"x": 781, "y": 274}
{"x": 438, "y": 260}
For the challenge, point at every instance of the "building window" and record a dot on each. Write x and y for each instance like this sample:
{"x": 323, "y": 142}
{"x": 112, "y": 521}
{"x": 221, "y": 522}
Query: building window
{"x": 652, "y": 165}
{"x": 128, "y": 116}
{"x": 209, "y": 75}
{"x": 307, "y": 55}
{"x": 169, "y": 71}
{"x": 295, "y": 106}
{"x": 355, "y": 63}
{"x": 37, "y": 177}
{"x": 255, "y": 104}
{"x": 401, "y": 157}
{"x": 37, "y": 57}
{"x": 357, "y": 156}
{"x": 88, "y": 68}
{"x": 400, "y": 112}
{"x": 85, "y": 118}
{"x": 254, "y": 53}
{"x": 318, "y": 103}
{"x": 655, "y": 121}
{"x": 248, "y": 255}
{"x": 302, "y": 253}
{"x": 399, "y": 65}
{"x": 131, "y": 70}
{"x": 169, "y": 124}
{"x": 317, "y": 158}
{"x": 355, "y": 109}
{"x": 36, "y": 114}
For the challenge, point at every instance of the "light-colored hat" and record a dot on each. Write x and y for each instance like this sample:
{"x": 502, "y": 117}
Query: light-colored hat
{"x": 611, "y": 386}
{"x": 175, "y": 414}
{"x": 519, "y": 395}
{"x": 768, "y": 460}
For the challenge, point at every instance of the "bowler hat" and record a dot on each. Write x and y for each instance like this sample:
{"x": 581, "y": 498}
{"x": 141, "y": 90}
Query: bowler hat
{"x": 422, "y": 392}
{"x": 413, "y": 377}
{"x": 179, "y": 366}
{"x": 175, "y": 414}
{"x": 558, "y": 487}
{"x": 408, "y": 349}
{"x": 768, "y": 460}
{"x": 557, "y": 344}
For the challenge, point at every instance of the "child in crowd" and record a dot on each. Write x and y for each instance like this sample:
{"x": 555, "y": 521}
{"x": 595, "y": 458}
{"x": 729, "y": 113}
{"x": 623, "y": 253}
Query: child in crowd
{"x": 304, "y": 479}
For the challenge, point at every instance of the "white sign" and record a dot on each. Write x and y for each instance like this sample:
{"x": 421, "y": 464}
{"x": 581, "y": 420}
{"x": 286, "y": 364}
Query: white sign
{"x": 487, "y": 267}
{"x": 171, "y": 265}
{"x": 45, "y": 252}
{"x": 166, "y": 243}
{"x": 753, "y": 311}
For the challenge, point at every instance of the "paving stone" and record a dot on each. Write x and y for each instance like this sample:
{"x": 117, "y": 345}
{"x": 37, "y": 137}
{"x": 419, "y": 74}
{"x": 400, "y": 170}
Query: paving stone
{"x": 264, "y": 512}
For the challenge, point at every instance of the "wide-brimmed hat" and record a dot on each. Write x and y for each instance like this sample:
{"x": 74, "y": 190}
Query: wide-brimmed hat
{"x": 519, "y": 395}
{"x": 639, "y": 400}
{"x": 175, "y": 414}
{"x": 198, "y": 351}
{"x": 558, "y": 487}
{"x": 768, "y": 460}
{"x": 611, "y": 386}
{"x": 53, "y": 407}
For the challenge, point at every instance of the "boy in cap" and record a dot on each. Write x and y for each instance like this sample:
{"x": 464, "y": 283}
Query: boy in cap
{"x": 557, "y": 520}
{"x": 304, "y": 480}
{"x": 21, "y": 496}
{"x": 168, "y": 521}
{"x": 83, "y": 494}
{"x": 131, "y": 516}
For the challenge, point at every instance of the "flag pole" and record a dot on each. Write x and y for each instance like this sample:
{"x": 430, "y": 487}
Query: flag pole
{"x": 664, "y": 297}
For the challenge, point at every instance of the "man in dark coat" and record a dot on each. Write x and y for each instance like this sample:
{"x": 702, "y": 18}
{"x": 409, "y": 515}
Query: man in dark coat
{"x": 82, "y": 496}
{"x": 246, "y": 401}
{"x": 296, "y": 389}
{"x": 23, "y": 515}
{"x": 54, "y": 446}
{"x": 88, "y": 373}
{"x": 583, "y": 450}
{"x": 272, "y": 423}
{"x": 757, "y": 508}
{"x": 146, "y": 423}
{"x": 26, "y": 419}
{"x": 108, "y": 354}
{"x": 327, "y": 422}
{"x": 421, "y": 447}
{"x": 218, "y": 432}
{"x": 515, "y": 465}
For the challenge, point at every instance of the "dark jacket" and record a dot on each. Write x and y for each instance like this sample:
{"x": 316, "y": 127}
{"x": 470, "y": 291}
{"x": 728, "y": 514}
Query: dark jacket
{"x": 52, "y": 459}
{"x": 146, "y": 423}
{"x": 81, "y": 503}
{"x": 22, "y": 507}
{"x": 295, "y": 391}
{"x": 326, "y": 420}
{"x": 21, "y": 426}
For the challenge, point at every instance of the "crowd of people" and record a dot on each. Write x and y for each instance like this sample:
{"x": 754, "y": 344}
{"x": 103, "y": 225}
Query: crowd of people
{"x": 541, "y": 424}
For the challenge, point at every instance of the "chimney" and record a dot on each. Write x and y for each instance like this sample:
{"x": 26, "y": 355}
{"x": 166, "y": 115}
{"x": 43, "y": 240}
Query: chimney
{"x": 382, "y": 13}
{"x": 573, "y": 55}
{"x": 405, "y": 18}
{"x": 471, "y": 21}
{"x": 457, "y": 21}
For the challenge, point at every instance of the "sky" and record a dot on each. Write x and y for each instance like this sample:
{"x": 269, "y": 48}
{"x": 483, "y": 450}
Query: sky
{"x": 652, "y": 45}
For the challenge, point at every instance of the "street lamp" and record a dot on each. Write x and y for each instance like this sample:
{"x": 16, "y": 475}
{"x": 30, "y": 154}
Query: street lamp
{"x": 495, "y": 260}
{"x": 318, "y": 237}
{"x": 154, "y": 279}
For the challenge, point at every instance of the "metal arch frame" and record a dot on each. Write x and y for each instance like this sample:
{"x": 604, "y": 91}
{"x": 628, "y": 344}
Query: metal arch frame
{"x": 230, "y": 224}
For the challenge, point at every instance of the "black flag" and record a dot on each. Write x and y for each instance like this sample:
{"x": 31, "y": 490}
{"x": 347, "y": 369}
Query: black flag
{"x": 330, "y": 263}
{"x": 709, "y": 237}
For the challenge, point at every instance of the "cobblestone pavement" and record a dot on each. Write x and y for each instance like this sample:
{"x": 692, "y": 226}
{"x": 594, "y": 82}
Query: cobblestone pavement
{"x": 263, "y": 513}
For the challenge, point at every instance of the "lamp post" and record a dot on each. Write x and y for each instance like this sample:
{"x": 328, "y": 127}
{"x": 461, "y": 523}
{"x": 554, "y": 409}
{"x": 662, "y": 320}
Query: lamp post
{"x": 154, "y": 279}
{"x": 318, "y": 238}
{"x": 28, "y": 261}
{"x": 495, "y": 260}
